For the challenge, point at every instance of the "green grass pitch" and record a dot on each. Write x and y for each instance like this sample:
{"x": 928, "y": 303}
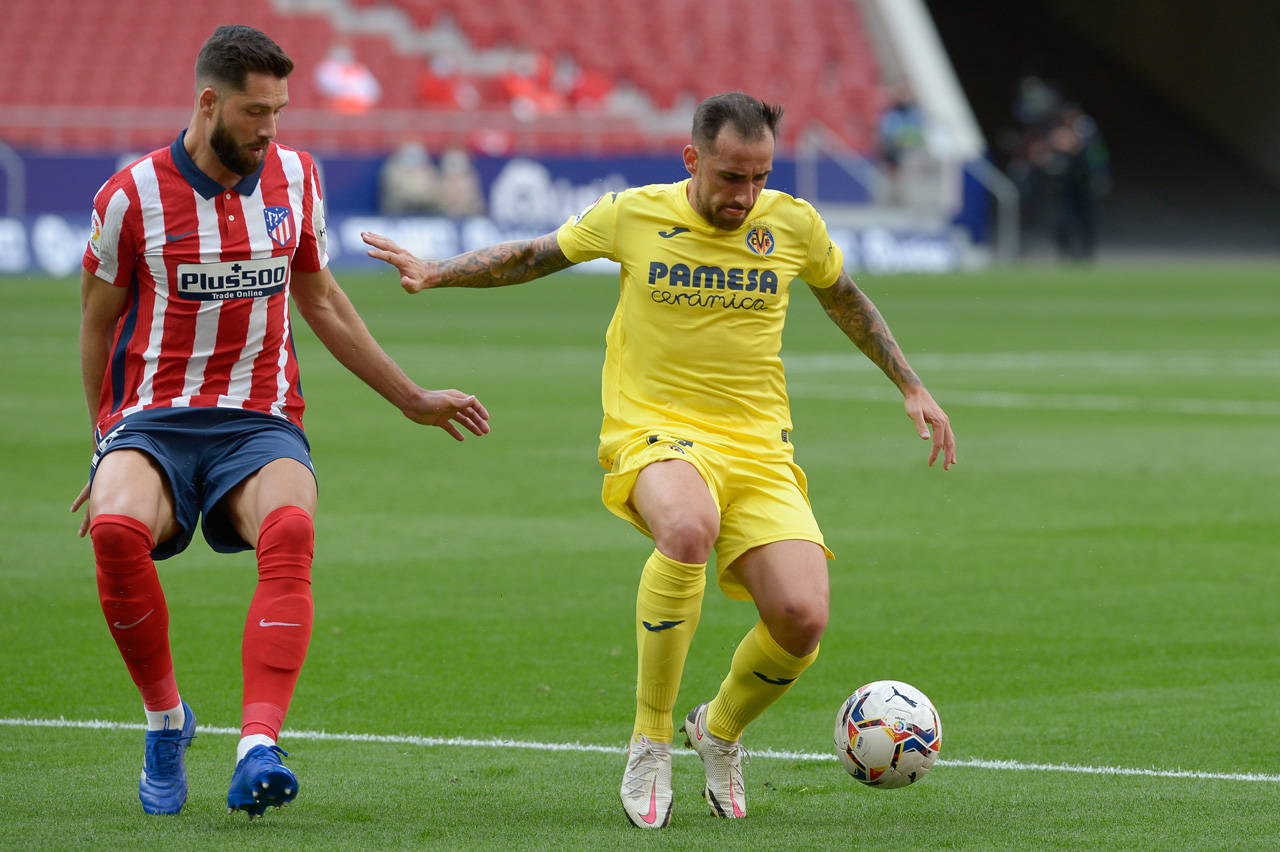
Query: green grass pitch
{"x": 1094, "y": 585}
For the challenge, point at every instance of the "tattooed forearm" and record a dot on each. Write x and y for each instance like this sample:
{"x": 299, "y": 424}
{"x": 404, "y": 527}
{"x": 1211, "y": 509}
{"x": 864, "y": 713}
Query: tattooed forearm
{"x": 857, "y": 317}
{"x": 506, "y": 263}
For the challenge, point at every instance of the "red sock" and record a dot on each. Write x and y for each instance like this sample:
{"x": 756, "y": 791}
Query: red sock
{"x": 278, "y": 629}
{"x": 134, "y": 605}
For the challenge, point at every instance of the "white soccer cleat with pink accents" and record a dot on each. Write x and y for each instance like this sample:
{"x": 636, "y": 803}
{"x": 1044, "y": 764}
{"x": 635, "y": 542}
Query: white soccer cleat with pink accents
{"x": 722, "y": 760}
{"x": 646, "y": 786}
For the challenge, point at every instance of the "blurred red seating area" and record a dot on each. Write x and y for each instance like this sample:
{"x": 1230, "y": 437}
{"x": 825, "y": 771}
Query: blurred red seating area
{"x": 525, "y": 75}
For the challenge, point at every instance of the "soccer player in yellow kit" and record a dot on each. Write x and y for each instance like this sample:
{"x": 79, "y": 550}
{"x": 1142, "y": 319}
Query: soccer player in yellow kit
{"x": 696, "y": 421}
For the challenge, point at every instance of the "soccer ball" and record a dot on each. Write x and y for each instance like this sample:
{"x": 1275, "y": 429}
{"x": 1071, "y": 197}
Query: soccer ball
{"x": 888, "y": 734}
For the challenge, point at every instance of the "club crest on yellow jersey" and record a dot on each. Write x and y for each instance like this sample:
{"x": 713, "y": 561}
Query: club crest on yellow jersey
{"x": 760, "y": 239}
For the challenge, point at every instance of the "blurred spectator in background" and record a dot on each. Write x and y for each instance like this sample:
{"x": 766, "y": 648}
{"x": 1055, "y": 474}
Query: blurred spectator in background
{"x": 1078, "y": 171}
{"x": 346, "y": 83}
{"x": 409, "y": 183}
{"x": 1061, "y": 167}
{"x": 442, "y": 85}
{"x": 901, "y": 139}
{"x": 1036, "y": 102}
{"x": 527, "y": 86}
{"x": 460, "y": 192}
{"x": 585, "y": 89}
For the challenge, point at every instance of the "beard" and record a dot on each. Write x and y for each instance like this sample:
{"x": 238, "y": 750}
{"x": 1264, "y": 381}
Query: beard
{"x": 715, "y": 216}
{"x": 236, "y": 158}
{"x": 725, "y": 223}
{"x": 719, "y": 220}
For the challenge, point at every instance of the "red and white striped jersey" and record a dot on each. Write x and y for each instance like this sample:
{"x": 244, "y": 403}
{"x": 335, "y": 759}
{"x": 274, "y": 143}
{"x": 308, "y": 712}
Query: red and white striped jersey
{"x": 206, "y": 322}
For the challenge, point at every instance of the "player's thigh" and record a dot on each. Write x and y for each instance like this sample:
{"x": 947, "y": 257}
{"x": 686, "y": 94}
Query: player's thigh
{"x": 282, "y": 482}
{"x": 788, "y": 581}
{"x": 131, "y": 483}
{"x": 676, "y": 504}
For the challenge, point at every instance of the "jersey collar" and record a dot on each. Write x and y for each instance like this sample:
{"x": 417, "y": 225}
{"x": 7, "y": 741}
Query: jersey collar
{"x": 201, "y": 182}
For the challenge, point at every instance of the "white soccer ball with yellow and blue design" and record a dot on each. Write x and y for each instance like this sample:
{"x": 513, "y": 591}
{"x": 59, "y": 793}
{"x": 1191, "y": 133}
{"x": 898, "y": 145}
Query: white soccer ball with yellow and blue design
{"x": 888, "y": 734}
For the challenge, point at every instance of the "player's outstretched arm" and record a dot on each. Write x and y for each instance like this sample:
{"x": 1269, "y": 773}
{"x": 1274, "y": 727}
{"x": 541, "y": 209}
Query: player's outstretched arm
{"x": 857, "y": 317}
{"x": 334, "y": 320}
{"x": 496, "y": 266}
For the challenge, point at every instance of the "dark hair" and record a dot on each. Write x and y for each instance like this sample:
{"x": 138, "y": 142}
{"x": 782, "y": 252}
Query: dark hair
{"x": 748, "y": 116}
{"x": 234, "y": 51}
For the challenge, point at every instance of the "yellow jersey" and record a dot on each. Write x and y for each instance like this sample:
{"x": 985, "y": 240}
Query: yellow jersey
{"x": 693, "y": 347}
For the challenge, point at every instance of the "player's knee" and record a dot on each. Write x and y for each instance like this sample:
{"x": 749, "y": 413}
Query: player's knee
{"x": 119, "y": 540}
{"x": 289, "y": 527}
{"x": 286, "y": 544}
{"x": 799, "y": 625}
{"x": 688, "y": 537}
{"x": 811, "y": 622}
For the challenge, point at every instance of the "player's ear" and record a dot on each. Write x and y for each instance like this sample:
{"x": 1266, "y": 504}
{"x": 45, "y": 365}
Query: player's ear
{"x": 207, "y": 100}
{"x": 691, "y": 159}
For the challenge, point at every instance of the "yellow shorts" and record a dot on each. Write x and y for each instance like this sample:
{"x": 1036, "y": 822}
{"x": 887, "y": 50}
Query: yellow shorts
{"x": 760, "y": 502}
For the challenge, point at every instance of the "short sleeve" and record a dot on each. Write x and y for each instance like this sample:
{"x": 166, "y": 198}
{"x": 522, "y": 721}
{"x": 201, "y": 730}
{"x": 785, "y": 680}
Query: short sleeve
{"x": 591, "y": 233}
{"x": 313, "y": 247}
{"x": 111, "y": 253}
{"x": 825, "y": 261}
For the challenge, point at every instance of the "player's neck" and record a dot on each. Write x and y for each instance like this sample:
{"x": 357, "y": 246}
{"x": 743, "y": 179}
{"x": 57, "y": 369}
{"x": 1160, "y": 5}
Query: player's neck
{"x": 202, "y": 154}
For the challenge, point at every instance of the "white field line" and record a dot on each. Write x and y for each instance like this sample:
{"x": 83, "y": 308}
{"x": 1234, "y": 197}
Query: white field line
{"x": 1049, "y": 401}
{"x": 465, "y": 742}
{"x": 1265, "y": 362}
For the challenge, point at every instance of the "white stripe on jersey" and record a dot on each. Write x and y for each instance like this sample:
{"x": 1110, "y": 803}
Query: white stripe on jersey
{"x": 206, "y": 323}
{"x": 317, "y": 219}
{"x": 108, "y": 253}
{"x": 144, "y": 178}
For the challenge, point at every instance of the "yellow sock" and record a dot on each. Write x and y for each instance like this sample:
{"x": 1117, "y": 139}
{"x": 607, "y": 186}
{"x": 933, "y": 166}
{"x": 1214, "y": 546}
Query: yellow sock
{"x": 760, "y": 674}
{"x": 667, "y": 609}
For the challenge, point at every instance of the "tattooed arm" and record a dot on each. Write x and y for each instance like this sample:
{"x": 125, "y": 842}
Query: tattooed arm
{"x": 858, "y": 318}
{"x": 496, "y": 266}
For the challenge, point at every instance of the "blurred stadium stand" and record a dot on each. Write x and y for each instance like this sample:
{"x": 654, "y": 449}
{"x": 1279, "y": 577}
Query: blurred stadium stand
{"x": 117, "y": 75}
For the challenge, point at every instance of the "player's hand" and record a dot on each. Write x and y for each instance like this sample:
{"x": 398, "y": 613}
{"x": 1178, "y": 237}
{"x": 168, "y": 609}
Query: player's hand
{"x": 75, "y": 507}
{"x": 448, "y": 409}
{"x": 926, "y": 413}
{"x": 415, "y": 274}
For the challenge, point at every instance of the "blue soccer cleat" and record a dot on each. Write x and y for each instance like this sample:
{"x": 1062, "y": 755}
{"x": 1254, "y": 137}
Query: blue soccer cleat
{"x": 261, "y": 781}
{"x": 163, "y": 787}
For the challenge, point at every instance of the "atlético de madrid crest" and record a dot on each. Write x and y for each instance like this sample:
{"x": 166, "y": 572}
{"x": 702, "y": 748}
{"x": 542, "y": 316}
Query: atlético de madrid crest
{"x": 279, "y": 225}
{"x": 760, "y": 239}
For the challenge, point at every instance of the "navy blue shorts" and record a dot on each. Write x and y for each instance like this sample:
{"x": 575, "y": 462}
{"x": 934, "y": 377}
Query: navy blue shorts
{"x": 205, "y": 452}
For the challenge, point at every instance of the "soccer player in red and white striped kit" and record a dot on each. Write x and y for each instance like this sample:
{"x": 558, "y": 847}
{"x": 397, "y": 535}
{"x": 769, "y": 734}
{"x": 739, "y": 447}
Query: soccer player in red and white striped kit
{"x": 189, "y": 371}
